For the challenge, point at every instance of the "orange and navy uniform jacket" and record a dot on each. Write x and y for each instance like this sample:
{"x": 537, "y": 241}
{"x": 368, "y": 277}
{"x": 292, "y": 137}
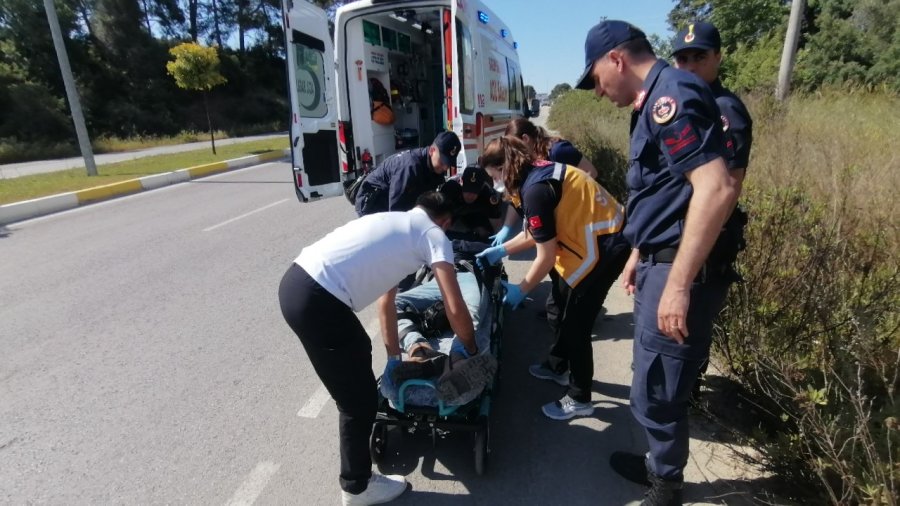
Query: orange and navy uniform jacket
{"x": 562, "y": 201}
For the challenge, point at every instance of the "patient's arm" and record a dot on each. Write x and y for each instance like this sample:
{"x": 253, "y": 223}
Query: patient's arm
{"x": 457, "y": 311}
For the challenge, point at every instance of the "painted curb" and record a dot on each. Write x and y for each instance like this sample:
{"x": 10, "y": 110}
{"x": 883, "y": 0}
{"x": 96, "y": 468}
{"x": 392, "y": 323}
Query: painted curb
{"x": 19, "y": 211}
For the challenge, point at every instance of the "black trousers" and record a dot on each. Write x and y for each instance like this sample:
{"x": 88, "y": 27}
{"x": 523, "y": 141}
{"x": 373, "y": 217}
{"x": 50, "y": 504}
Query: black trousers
{"x": 341, "y": 353}
{"x": 578, "y": 309}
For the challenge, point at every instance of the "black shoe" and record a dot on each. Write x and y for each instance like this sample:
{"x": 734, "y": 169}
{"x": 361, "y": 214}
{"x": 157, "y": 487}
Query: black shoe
{"x": 631, "y": 467}
{"x": 663, "y": 492}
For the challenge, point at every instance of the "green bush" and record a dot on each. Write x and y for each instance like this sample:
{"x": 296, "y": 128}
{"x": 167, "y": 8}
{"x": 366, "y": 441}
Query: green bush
{"x": 812, "y": 334}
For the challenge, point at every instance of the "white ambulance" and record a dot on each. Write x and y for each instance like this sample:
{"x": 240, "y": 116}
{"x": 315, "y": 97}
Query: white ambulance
{"x": 446, "y": 64}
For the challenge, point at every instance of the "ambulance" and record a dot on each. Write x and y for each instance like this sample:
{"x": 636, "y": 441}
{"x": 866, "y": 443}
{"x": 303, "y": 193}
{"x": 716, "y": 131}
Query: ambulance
{"x": 439, "y": 65}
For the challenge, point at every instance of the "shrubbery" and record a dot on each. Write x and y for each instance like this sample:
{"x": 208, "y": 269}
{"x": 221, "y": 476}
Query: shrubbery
{"x": 812, "y": 334}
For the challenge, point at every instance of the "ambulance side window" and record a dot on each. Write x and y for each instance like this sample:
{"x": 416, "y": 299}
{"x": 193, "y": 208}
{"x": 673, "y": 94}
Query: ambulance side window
{"x": 515, "y": 100}
{"x": 466, "y": 65}
{"x": 310, "y": 75}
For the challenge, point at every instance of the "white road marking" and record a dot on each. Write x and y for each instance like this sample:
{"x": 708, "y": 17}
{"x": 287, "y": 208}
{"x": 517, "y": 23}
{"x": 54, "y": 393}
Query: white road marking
{"x": 320, "y": 397}
{"x": 254, "y": 484}
{"x": 314, "y": 405}
{"x": 236, "y": 218}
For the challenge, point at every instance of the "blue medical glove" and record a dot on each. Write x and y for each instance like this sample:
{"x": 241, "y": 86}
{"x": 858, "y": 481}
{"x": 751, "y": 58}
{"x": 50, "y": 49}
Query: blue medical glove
{"x": 501, "y": 236}
{"x": 491, "y": 255}
{"x": 459, "y": 348}
{"x": 392, "y": 363}
{"x": 514, "y": 295}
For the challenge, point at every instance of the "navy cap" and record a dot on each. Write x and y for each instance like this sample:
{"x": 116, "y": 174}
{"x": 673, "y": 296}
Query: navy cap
{"x": 474, "y": 179}
{"x": 601, "y": 39}
{"x": 448, "y": 145}
{"x": 697, "y": 35}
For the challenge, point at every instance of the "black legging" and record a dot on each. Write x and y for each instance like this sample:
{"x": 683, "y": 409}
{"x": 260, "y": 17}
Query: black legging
{"x": 578, "y": 309}
{"x": 341, "y": 353}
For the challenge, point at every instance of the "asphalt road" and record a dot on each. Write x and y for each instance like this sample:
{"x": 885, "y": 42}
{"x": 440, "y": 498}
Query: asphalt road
{"x": 145, "y": 361}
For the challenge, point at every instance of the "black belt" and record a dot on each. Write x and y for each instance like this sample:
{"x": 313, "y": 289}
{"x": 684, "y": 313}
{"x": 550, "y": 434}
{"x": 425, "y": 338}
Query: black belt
{"x": 660, "y": 256}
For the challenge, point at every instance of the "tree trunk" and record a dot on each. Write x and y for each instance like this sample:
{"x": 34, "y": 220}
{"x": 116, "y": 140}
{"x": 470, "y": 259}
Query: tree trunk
{"x": 147, "y": 17}
{"x": 192, "y": 19}
{"x": 215, "y": 9}
{"x": 212, "y": 137}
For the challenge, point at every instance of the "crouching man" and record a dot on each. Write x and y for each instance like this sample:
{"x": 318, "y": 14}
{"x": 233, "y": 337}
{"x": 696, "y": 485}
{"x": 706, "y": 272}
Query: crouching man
{"x": 343, "y": 273}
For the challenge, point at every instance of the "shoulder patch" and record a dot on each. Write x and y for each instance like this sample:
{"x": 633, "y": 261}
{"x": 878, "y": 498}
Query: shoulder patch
{"x": 680, "y": 139}
{"x": 535, "y": 222}
{"x": 664, "y": 110}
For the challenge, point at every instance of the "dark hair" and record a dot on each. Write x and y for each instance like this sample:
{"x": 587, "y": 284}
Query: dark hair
{"x": 436, "y": 204}
{"x": 512, "y": 157}
{"x": 639, "y": 47}
{"x": 542, "y": 140}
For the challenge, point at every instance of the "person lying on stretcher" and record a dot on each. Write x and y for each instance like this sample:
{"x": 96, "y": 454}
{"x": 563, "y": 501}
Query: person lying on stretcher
{"x": 420, "y": 311}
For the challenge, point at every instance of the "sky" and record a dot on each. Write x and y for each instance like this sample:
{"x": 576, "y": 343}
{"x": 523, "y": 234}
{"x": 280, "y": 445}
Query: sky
{"x": 551, "y": 37}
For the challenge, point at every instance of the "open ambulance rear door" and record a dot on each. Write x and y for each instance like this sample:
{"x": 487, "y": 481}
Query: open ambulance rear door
{"x": 311, "y": 87}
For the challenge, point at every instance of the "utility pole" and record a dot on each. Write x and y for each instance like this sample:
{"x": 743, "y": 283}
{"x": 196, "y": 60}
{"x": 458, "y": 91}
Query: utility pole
{"x": 791, "y": 39}
{"x": 84, "y": 142}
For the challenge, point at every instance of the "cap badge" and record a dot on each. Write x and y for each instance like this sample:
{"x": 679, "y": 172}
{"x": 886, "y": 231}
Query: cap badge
{"x": 454, "y": 150}
{"x": 690, "y": 35}
{"x": 472, "y": 179}
{"x": 664, "y": 110}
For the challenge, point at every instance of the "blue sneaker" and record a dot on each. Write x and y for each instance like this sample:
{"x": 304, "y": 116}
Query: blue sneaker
{"x": 541, "y": 371}
{"x": 567, "y": 408}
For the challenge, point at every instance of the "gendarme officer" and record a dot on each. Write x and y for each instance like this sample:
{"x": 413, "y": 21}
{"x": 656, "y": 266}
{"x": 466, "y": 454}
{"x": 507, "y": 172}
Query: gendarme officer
{"x": 698, "y": 49}
{"x": 400, "y": 179}
{"x": 680, "y": 194}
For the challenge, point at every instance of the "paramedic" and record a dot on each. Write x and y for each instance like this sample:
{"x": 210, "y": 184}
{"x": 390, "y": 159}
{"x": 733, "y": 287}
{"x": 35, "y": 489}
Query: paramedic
{"x": 343, "y": 273}
{"x": 399, "y": 180}
{"x": 575, "y": 226}
{"x": 680, "y": 195}
{"x": 544, "y": 147}
{"x": 554, "y": 149}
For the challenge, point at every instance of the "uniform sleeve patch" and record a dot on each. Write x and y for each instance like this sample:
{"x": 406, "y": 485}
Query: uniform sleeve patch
{"x": 664, "y": 110}
{"x": 535, "y": 222}
{"x": 680, "y": 139}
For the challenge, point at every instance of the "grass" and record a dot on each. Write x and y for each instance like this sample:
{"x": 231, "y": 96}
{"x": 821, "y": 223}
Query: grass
{"x": 42, "y": 185}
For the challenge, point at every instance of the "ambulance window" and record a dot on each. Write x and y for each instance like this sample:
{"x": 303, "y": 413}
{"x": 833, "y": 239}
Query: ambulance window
{"x": 466, "y": 65}
{"x": 310, "y": 78}
{"x": 515, "y": 101}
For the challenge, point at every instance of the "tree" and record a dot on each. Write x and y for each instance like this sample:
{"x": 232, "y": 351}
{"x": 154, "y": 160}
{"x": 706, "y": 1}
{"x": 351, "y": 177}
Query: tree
{"x": 559, "y": 90}
{"x": 661, "y": 46}
{"x": 196, "y": 68}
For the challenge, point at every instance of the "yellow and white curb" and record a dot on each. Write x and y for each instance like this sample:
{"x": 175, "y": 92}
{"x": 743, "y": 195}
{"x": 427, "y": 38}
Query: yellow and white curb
{"x": 18, "y": 211}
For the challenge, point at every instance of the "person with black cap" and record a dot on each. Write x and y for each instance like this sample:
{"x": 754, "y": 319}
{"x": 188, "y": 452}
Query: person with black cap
{"x": 399, "y": 180}
{"x": 680, "y": 194}
{"x": 698, "y": 50}
{"x": 480, "y": 207}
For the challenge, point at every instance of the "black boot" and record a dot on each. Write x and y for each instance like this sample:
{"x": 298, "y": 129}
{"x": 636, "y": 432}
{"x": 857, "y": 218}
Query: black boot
{"x": 631, "y": 467}
{"x": 663, "y": 492}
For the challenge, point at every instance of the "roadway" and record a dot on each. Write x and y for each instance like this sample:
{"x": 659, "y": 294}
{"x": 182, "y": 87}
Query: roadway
{"x": 146, "y": 362}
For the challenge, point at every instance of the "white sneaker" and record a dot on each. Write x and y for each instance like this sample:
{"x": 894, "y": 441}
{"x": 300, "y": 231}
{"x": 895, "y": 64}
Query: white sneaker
{"x": 381, "y": 489}
{"x": 567, "y": 408}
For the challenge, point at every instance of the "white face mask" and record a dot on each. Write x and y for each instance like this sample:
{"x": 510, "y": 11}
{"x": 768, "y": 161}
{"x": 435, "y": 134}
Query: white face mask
{"x": 499, "y": 186}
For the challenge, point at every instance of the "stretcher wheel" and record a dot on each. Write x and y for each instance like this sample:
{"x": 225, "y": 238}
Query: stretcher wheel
{"x": 481, "y": 450}
{"x": 378, "y": 443}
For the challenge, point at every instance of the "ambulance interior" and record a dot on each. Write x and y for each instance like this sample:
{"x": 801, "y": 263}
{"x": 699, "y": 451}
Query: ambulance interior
{"x": 401, "y": 50}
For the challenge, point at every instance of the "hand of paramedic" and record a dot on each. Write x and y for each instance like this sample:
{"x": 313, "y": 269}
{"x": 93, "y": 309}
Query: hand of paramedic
{"x": 457, "y": 312}
{"x": 503, "y": 234}
{"x": 490, "y": 256}
{"x": 545, "y": 258}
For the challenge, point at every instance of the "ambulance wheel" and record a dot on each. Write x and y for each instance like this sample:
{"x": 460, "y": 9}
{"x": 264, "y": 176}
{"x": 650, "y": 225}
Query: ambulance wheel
{"x": 378, "y": 443}
{"x": 481, "y": 450}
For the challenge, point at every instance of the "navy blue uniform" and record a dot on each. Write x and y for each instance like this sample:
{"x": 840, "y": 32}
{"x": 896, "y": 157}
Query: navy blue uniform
{"x": 397, "y": 183}
{"x": 474, "y": 217}
{"x": 676, "y": 128}
{"x": 737, "y": 125}
{"x": 562, "y": 151}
